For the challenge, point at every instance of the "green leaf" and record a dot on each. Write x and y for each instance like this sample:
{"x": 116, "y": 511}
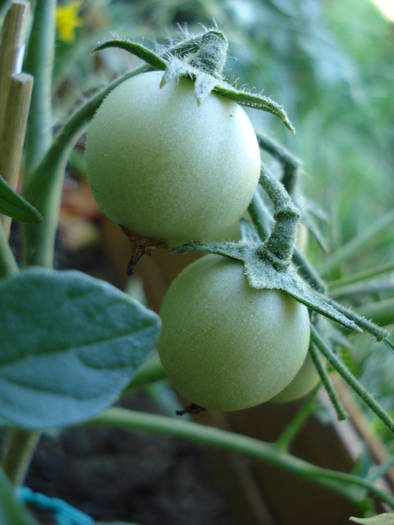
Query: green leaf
{"x": 379, "y": 519}
{"x": 15, "y": 206}
{"x": 70, "y": 345}
{"x": 11, "y": 512}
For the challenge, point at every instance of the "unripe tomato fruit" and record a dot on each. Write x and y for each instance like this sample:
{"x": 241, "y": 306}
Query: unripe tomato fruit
{"x": 168, "y": 168}
{"x": 305, "y": 380}
{"x": 225, "y": 345}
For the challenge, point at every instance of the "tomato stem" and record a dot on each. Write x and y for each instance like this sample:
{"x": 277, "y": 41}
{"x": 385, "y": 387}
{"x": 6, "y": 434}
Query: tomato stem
{"x": 279, "y": 246}
{"x": 212, "y": 53}
{"x": 262, "y": 219}
{"x": 290, "y": 163}
{"x": 325, "y": 379}
{"x": 254, "y": 448}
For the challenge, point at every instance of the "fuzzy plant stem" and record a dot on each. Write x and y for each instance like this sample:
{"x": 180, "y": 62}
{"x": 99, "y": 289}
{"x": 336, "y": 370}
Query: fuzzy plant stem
{"x": 289, "y": 162}
{"x": 280, "y": 244}
{"x": 262, "y": 219}
{"x": 265, "y": 452}
{"x": 212, "y": 54}
{"x": 284, "y": 441}
{"x": 360, "y": 390}
{"x": 43, "y": 188}
{"x": 8, "y": 264}
{"x": 325, "y": 379}
{"x": 39, "y": 63}
{"x": 19, "y": 449}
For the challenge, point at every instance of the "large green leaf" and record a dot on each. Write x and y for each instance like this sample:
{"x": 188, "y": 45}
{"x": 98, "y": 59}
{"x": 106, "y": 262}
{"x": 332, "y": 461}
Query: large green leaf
{"x": 15, "y": 206}
{"x": 69, "y": 345}
{"x": 11, "y": 512}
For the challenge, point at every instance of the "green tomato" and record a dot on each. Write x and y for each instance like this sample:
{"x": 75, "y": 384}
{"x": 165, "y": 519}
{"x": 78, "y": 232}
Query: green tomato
{"x": 168, "y": 168}
{"x": 225, "y": 345}
{"x": 305, "y": 380}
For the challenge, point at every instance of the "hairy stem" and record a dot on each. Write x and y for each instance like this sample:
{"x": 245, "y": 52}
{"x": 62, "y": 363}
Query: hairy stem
{"x": 265, "y": 452}
{"x": 211, "y": 56}
{"x": 280, "y": 244}
{"x": 263, "y": 221}
{"x": 290, "y": 163}
{"x": 325, "y": 379}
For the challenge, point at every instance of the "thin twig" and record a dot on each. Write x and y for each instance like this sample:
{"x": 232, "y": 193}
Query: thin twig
{"x": 325, "y": 379}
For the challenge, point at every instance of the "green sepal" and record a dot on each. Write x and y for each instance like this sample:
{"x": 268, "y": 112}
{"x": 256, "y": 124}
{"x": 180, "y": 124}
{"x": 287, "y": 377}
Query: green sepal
{"x": 204, "y": 83}
{"x": 255, "y": 101}
{"x": 261, "y": 274}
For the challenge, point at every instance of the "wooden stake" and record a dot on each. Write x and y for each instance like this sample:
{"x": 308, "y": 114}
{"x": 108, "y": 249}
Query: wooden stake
{"x": 15, "y": 94}
{"x": 14, "y": 132}
{"x": 11, "y": 50}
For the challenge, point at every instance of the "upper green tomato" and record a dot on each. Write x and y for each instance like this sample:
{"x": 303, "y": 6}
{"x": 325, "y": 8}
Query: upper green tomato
{"x": 225, "y": 345}
{"x": 305, "y": 380}
{"x": 167, "y": 168}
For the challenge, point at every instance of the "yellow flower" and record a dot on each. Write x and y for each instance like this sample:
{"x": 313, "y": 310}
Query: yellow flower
{"x": 67, "y": 20}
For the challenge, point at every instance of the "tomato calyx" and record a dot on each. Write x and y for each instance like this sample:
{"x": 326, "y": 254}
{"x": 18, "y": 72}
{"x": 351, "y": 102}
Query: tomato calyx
{"x": 140, "y": 246}
{"x": 200, "y": 58}
{"x": 268, "y": 263}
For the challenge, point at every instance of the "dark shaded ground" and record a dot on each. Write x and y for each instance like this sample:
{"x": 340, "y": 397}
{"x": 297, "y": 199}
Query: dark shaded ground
{"x": 117, "y": 475}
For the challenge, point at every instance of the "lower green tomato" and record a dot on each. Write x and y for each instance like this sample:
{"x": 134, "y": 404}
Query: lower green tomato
{"x": 305, "y": 380}
{"x": 225, "y": 345}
